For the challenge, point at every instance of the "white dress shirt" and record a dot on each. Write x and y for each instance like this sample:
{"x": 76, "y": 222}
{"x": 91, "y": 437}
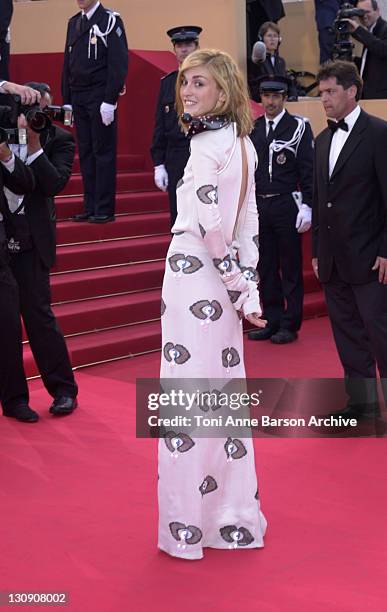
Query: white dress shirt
{"x": 90, "y": 13}
{"x": 340, "y": 137}
{"x": 275, "y": 121}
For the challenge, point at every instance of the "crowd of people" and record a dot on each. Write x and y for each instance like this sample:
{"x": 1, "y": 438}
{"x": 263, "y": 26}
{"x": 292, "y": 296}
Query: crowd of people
{"x": 223, "y": 172}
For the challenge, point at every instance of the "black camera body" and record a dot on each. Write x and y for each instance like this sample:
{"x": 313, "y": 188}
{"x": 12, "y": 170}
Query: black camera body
{"x": 342, "y": 48}
{"x": 38, "y": 119}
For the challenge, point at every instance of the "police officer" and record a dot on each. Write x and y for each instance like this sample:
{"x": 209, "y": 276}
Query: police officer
{"x": 94, "y": 72}
{"x": 284, "y": 180}
{"x": 170, "y": 146}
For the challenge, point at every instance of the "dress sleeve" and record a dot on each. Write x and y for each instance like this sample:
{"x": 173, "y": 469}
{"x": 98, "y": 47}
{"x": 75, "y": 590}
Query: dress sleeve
{"x": 248, "y": 254}
{"x": 206, "y": 164}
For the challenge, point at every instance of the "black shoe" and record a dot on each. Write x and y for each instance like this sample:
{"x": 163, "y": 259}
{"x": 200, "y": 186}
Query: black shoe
{"x": 81, "y": 217}
{"x": 22, "y": 413}
{"x": 101, "y": 218}
{"x": 261, "y": 334}
{"x": 63, "y": 405}
{"x": 283, "y": 336}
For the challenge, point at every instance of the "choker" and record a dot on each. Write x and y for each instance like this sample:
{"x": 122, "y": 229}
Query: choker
{"x": 196, "y": 125}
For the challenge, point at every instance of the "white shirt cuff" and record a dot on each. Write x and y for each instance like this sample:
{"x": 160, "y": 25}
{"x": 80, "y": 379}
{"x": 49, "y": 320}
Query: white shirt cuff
{"x": 10, "y": 164}
{"x": 31, "y": 158}
{"x": 1, "y": 86}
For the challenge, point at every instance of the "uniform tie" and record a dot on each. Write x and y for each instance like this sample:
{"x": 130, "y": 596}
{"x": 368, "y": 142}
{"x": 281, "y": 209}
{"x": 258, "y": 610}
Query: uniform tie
{"x": 270, "y": 134}
{"x": 84, "y": 22}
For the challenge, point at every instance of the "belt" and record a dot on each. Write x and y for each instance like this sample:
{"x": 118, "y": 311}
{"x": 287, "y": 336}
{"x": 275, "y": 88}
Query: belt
{"x": 268, "y": 195}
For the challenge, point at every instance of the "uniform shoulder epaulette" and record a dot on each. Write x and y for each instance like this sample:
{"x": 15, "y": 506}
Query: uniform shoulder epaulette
{"x": 168, "y": 75}
{"x": 301, "y": 117}
{"x": 108, "y": 10}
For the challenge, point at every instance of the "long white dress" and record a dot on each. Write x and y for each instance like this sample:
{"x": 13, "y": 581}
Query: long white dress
{"x": 208, "y": 487}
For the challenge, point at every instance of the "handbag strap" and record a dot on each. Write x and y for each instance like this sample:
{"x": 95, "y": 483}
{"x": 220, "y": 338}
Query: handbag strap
{"x": 244, "y": 181}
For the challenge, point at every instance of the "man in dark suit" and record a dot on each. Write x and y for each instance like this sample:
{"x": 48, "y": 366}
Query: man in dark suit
{"x": 284, "y": 179}
{"x": 372, "y": 32}
{"x": 170, "y": 146}
{"x": 30, "y": 229}
{"x": 325, "y": 13}
{"x": 6, "y": 11}
{"x": 350, "y": 232}
{"x": 19, "y": 178}
{"x": 94, "y": 73}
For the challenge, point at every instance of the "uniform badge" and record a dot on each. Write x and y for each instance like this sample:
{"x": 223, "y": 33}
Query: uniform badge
{"x": 119, "y": 31}
{"x": 93, "y": 40}
{"x": 166, "y": 108}
{"x": 281, "y": 159}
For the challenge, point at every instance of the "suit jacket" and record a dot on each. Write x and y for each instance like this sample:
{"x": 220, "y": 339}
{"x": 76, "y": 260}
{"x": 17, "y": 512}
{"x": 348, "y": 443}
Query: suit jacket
{"x": 168, "y": 138}
{"x": 375, "y": 69}
{"x": 52, "y": 170}
{"x": 290, "y": 172}
{"x": 349, "y": 219}
{"x": 274, "y": 9}
{"x": 20, "y": 181}
{"x": 106, "y": 69}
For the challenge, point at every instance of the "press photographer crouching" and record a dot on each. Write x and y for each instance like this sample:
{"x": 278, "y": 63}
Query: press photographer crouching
{"x": 29, "y": 222}
{"x": 370, "y": 29}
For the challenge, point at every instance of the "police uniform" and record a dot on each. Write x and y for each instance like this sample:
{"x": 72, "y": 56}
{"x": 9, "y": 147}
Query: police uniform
{"x": 285, "y": 166}
{"x": 170, "y": 146}
{"x": 94, "y": 71}
{"x": 6, "y": 11}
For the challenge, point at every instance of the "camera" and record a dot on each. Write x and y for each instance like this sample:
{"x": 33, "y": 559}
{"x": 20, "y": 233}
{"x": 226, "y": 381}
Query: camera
{"x": 342, "y": 48}
{"x": 37, "y": 118}
{"x": 13, "y": 136}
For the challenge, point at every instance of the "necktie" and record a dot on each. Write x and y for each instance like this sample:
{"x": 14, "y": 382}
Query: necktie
{"x": 270, "y": 134}
{"x": 337, "y": 125}
{"x": 84, "y": 21}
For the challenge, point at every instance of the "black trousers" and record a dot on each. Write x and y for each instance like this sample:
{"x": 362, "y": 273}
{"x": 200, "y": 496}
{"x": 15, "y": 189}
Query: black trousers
{"x": 4, "y": 60}
{"x": 13, "y": 384}
{"x": 326, "y": 39}
{"x": 280, "y": 262}
{"x": 46, "y": 339}
{"x": 358, "y": 315}
{"x": 97, "y": 147}
{"x": 175, "y": 165}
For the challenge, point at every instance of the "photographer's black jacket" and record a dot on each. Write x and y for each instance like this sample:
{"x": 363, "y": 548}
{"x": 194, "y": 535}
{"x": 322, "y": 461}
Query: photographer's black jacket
{"x": 375, "y": 69}
{"x": 168, "y": 135}
{"x": 51, "y": 171}
{"x": 290, "y": 172}
{"x": 82, "y": 71}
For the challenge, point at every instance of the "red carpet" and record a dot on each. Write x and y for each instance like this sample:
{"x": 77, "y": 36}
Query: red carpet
{"x": 79, "y": 509}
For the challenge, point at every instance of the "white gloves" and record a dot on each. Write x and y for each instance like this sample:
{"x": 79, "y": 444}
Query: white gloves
{"x": 161, "y": 177}
{"x": 107, "y": 112}
{"x": 304, "y": 218}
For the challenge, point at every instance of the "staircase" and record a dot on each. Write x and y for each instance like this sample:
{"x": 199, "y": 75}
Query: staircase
{"x": 106, "y": 284}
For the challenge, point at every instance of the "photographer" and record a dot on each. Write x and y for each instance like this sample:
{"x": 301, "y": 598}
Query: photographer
{"x": 371, "y": 30}
{"x": 16, "y": 176}
{"x": 30, "y": 228}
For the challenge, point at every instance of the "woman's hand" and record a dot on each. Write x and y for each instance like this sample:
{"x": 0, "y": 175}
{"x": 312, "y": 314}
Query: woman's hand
{"x": 255, "y": 319}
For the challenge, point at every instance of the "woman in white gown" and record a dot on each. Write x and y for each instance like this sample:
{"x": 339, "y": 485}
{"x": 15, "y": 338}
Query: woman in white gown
{"x": 208, "y": 487}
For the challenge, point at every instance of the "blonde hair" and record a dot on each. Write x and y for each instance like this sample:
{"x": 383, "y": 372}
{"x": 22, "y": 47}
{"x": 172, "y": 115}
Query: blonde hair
{"x": 229, "y": 79}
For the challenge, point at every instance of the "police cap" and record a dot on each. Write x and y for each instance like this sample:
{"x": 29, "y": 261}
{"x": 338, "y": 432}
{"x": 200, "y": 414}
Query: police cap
{"x": 184, "y": 33}
{"x": 275, "y": 82}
